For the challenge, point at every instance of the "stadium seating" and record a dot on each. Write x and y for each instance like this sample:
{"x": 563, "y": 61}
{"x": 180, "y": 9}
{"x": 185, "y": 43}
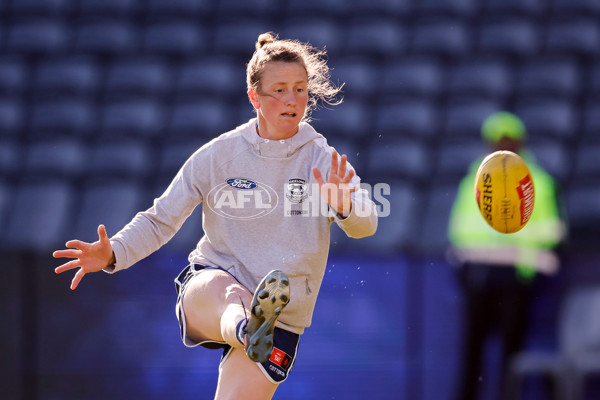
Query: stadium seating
{"x": 106, "y": 37}
{"x": 143, "y": 119}
{"x": 12, "y": 117}
{"x": 38, "y": 216}
{"x": 126, "y": 159}
{"x": 380, "y": 38}
{"x": 395, "y": 158}
{"x": 559, "y": 77}
{"x": 591, "y": 122}
{"x": 548, "y": 118}
{"x": 514, "y": 37}
{"x": 385, "y": 8}
{"x": 203, "y": 77}
{"x": 67, "y": 76}
{"x": 464, "y": 117}
{"x": 319, "y": 32}
{"x": 433, "y": 236}
{"x": 573, "y": 36}
{"x": 484, "y": 77}
{"x": 138, "y": 77}
{"x": 359, "y": 76}
{"x": 110, "y": 8}
{"x": 112, "y": 203}
{"x": 64, "y": 117}
{"x": 441, "y": 37}
{"x": 349, "y": 119}
{"x": 458, "y": 8}
{"x": 178, "y": 38}
{"x": 14, "y": 75}
{"x": 63, "y": 158}
{"x": 554, "y": 158}
{"x": 575, "y": 7}
{"x": 179, "y": 8}
{"x": 201, "y": 118}
{"x": 527, "y": 8}
{"x": 38, "y": 36}
{"x": 10, "y": 158}
{"x": 412, "y": 76}
{"x": 418, "y": 118}
{"x": 455, "y": 158}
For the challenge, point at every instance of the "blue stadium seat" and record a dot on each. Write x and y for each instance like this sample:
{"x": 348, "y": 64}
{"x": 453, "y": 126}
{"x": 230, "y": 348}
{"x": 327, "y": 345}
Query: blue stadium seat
{"x": 553, "y": 157}
{"x": 62, "y": 158}
{"x": 39, "y": 216}
{"x": 575, "y": 7}
{"x": 464, "y": 118}
{"x": 559, "y": 77}
{"x": 6, "y": 193}
{"x": 357, "y": 74}
{"x": 247, "y": 9}
{"x": 138, "y": 77}
{"x": 583, "y": 207}
{"x": 383, "y": 8}
{"x": 455, "y": 158}
{"x": 55, "y": 8}
{"x": 183, "y": 8}
{"x": 123, "y": 158}
{"x": 489, "y": 78}
{"x": 576, "y": 36}
{"x": 400, "y": 158}
{"x": 106, "y": 37}
{"x": 548, "y": 118}
{"x": 527, "y": 8}
{"x": 11, "y": 158}
{"x": 72, "y": 76}
{"x": 110, "y": 8}
{"x": 181, "y": 38}
{"x": 112, "y": 203}
{"x": 349, "y": 119}
{"x": 133, "y": 118}
{"x": 509, "y": 36}
{"x": 414, "y": 77}
{"x": 587, "y": 163}
{"x": 14, "y": 75}
{"x": 433, "y": 236}
{"x": 65, "y": 117}
{"x": 189, "y": 234}
{"x": 412, "y": 118}
{"x": 12, "y": 117}
{"x": 211, "y": 76}
{"x": 375, "y": 37}
{"x": 327, "y": 8}
{"x": 591, "y": 122}
{"x": 454, "y": 8}
{"x": 238, "y": 38}
{"x": 172, "y": 157}
{"x": 205, "y": 118}
{"x": 441, "y": 37}
{"x": 319, "y": 32}
{"x": 38, "y": 36}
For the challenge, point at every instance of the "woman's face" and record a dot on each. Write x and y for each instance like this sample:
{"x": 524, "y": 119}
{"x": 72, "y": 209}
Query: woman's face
{"x": 281, "y": 99}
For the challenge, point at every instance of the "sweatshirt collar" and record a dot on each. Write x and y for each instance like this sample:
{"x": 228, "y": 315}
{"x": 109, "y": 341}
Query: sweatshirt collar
{"x": 279, "y": 148}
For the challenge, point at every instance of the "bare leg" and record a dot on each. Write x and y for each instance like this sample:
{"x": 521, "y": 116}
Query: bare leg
{"x": 214, "y": 306}
{"x": 240, "y": 378}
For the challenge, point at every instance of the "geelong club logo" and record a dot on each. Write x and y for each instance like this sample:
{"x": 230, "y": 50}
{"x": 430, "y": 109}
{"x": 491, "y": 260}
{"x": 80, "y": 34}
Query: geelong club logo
{"x": 242, "y": 198}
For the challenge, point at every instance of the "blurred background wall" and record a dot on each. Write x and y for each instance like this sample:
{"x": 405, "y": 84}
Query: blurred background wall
{"x": 101, "y": 101}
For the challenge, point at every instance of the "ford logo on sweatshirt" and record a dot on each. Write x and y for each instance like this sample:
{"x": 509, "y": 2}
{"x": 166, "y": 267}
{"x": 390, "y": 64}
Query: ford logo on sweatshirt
{"x": 241, "y": 183}
{"x": 242, "y": 198}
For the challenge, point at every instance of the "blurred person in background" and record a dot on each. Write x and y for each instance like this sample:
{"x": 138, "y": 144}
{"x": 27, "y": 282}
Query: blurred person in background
{"x": 498, "y": 272}
{"x": 261, "y": 233}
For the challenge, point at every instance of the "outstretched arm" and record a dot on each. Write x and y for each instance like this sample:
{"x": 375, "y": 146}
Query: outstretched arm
{"x": 337, "y": 190}
{"x": 88, "y": 257}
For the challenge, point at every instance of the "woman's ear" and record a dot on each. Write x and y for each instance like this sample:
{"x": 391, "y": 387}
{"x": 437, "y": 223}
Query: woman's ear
{"x": 253, "y": 96}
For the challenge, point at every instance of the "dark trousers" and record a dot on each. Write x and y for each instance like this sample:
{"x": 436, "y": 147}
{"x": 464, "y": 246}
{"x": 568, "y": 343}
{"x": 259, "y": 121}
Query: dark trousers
{"x": 495, "y": 301}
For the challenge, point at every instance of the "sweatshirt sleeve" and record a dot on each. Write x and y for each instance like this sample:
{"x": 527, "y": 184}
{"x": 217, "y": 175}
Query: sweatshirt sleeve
{"x": 362, "y": 220}
{"x": 151, "y": 229}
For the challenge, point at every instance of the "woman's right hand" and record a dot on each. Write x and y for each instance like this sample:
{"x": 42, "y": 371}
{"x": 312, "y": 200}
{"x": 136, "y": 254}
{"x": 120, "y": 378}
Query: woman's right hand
{"x": 88, "y": 257}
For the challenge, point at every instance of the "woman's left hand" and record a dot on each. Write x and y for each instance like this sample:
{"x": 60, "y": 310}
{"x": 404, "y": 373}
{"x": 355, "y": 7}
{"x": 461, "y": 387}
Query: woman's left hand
{"x": 337, "y": 190}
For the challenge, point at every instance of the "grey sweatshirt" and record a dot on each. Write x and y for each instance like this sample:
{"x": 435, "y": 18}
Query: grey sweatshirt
{"x": 261, "y": 211}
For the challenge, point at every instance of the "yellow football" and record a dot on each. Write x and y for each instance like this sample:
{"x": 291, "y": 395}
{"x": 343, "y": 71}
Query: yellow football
{"x": 504, "y": 191}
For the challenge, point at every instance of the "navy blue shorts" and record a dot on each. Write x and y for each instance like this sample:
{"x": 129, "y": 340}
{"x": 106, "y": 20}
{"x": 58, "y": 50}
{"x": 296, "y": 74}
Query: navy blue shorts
{"x": 285, "y": 343}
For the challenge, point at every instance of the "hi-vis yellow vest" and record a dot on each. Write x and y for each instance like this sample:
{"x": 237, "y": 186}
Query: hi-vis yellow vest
{"x": 530, "y": 249}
